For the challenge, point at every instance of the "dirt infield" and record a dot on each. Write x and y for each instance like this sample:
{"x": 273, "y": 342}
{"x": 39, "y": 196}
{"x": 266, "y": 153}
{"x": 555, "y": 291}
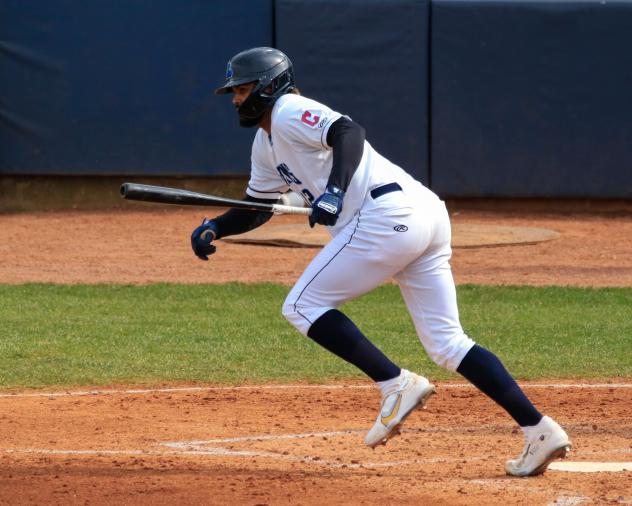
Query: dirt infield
{"x": 297, "y": 444}
{"x": 152, "y": 245}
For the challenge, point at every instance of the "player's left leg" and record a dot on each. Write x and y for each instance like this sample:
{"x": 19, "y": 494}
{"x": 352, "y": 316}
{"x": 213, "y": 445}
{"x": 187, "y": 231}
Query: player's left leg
{"x": 367, "y": 252}
{"x": 344, "y": 269}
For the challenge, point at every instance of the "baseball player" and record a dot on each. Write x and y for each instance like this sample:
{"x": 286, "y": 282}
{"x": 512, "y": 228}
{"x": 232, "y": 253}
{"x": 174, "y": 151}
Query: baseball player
{"x": 384, "y": 224}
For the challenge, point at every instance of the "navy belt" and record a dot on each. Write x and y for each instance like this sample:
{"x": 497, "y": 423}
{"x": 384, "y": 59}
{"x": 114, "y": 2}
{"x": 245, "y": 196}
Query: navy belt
{"x": 384, "y": 189}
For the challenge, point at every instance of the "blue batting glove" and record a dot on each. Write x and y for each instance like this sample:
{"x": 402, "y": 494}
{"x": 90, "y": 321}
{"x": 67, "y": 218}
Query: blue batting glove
{"x": 202, "y": 237}
{"x": 327, "y": 207}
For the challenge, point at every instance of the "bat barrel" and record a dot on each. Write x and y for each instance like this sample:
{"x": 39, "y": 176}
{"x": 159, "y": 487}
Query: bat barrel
{"x": 134, "y": 191}
{"x": 160, "y": 194}
{"x": 165, "y": 195}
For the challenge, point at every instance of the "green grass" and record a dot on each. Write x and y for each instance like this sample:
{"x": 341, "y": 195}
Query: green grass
{"x": 234, "y": 333}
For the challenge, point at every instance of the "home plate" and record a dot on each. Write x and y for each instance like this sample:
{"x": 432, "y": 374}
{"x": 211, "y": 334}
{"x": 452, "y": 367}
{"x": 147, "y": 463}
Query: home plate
{"x": 591, "y": 467}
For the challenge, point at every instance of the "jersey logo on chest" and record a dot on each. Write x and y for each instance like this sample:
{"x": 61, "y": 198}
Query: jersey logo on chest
{"x": 290, "y": 179}
{"x": 285, "y": 172}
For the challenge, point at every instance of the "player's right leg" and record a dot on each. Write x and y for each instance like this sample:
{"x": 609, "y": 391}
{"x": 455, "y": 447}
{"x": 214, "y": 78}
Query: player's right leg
{"x": 428, "y": 288}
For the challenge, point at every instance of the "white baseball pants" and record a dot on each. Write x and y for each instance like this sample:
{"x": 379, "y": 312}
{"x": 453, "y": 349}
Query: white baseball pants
{"x": 401, "y": 235}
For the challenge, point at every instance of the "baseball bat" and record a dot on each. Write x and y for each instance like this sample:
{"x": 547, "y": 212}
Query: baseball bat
{"x": 165, "y": 195}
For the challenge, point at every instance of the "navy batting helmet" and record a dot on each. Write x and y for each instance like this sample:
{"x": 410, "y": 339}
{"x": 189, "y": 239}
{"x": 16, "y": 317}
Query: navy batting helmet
{"x": 269, "y": 69}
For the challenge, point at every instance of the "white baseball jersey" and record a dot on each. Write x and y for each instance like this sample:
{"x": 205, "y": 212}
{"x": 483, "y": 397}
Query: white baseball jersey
{"x": 296, "y": 156}
{"x": 403, "y": 235}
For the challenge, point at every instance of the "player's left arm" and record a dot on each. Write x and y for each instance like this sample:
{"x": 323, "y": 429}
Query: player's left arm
{"x": 346, "y": 139}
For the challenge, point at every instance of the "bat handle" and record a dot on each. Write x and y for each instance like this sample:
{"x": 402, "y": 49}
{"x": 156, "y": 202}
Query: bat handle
{"x": 281, "y": 209}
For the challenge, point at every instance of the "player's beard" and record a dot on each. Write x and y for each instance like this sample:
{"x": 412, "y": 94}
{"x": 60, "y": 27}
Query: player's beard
{"x": 248, "y": 122}
{"x": 251, "y": 111}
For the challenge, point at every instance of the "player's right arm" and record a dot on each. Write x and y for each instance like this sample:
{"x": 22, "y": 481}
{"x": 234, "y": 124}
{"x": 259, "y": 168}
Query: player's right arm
{"x": 265, "y": 186}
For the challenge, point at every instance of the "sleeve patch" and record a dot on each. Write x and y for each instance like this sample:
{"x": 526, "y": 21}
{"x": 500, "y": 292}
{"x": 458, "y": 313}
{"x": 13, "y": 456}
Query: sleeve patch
{"x": 313, "y": 119}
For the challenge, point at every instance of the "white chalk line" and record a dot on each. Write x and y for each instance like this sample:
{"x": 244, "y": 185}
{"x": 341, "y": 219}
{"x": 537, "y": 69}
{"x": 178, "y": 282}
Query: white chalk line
{"x": 201, "y": 445}
{"x": 194, "y": 448}
{"x": 201, "y": 448}
{"x": 224, "y": 452}
{"x": 281, "y": 437}
{"x": 264, "y": 437}
{"x": 141, "y": 391}
{"x": 568, "y": 500}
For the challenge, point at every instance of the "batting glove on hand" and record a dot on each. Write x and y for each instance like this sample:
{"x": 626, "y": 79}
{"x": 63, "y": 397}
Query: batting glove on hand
{"x": 327, "y": 207}
{"x": 202, "y": 237}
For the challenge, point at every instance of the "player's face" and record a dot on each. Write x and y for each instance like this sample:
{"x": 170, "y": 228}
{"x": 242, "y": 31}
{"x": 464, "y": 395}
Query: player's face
{"x": 241, "y": 92}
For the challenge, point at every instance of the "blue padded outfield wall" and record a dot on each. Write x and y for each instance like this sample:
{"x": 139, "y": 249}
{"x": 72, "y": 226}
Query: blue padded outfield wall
{"x": 475, "y": 98}
{"x": 532, "y": 98}
{"x": 126, "y": 85}
{"x": 123, "y": 87}
{"x": 367, "y": 59}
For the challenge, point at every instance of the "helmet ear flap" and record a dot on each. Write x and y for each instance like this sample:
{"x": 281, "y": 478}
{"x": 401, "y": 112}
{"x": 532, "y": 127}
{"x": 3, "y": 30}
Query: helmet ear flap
{"x": 280, "y": 85}
{"x": 268, "y": 91}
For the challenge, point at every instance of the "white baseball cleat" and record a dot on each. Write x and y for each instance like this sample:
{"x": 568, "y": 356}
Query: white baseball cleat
{"x": 549, "y": 442}
{"x": 396, "y": 406}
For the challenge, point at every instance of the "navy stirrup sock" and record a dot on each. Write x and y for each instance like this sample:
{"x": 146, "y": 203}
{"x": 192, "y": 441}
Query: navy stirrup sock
{"x": 338, "y": 334}
{"x": 482, "y": 368}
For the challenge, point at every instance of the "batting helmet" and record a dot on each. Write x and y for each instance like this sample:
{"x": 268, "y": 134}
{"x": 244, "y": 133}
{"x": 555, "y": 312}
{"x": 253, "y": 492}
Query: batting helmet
{"x": 269, "y": 69}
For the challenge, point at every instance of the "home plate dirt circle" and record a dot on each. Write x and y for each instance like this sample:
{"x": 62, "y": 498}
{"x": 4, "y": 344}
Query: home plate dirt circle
{"x": 466, "y": 235}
